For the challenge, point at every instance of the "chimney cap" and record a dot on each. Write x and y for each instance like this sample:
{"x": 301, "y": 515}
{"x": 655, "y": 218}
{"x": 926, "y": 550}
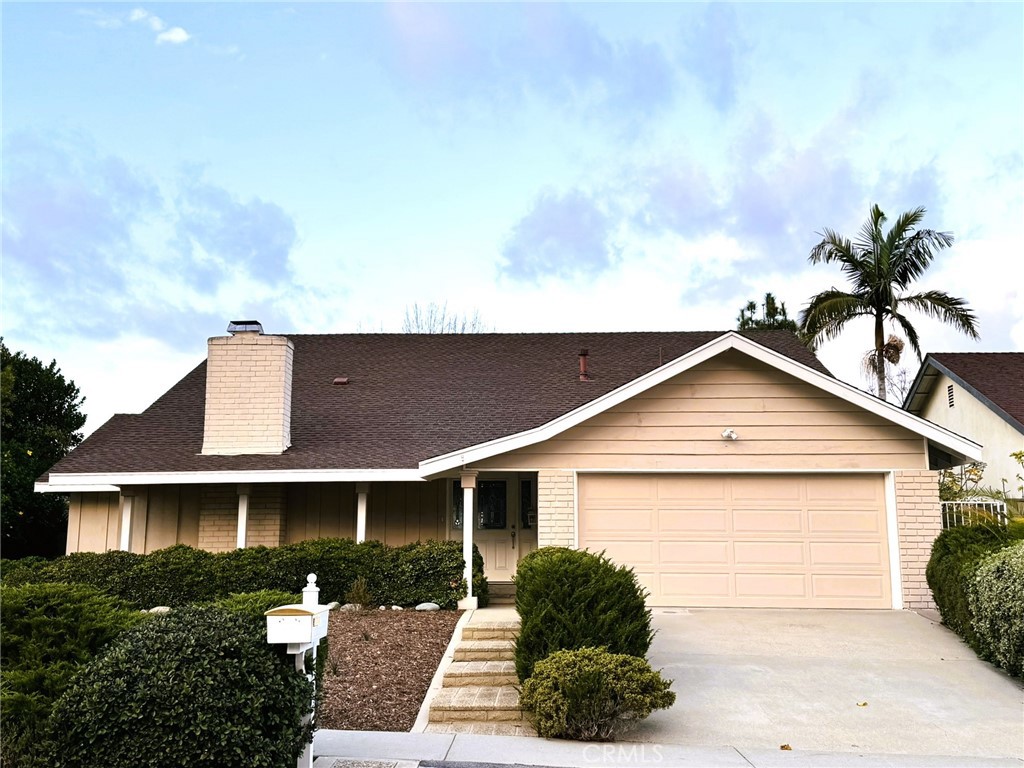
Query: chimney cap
{"x": 245, "y": 326}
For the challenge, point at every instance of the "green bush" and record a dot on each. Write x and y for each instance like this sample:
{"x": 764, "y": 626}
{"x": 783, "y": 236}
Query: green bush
{"x": 570, "y": 599}
{"x": 24, "y": 570}
{"x": 590, "y": 694}
{"x": 197, "y": 687}
{"x": 48, "y": 633}
{"x": 955, "y": 554}
{"x": 256, "y": 604}
{"x": 996, "y": 598}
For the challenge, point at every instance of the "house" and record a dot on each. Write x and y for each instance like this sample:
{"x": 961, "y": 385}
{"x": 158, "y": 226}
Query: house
{"x": 728, "y": 469}
{"x": 979, "y": 395}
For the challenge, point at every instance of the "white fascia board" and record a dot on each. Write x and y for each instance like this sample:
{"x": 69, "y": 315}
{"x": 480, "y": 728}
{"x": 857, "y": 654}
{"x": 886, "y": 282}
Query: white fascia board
{"x": 723, "y": 343}
{"x": 102, "y": 481}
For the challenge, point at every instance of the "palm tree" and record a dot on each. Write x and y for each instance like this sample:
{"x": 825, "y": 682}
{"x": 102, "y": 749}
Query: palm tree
{"x": 880, "y": 267}
{"x": 773, "y": 315}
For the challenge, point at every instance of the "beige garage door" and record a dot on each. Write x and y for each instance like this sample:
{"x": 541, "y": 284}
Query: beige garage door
{"x": 800, "y": 541}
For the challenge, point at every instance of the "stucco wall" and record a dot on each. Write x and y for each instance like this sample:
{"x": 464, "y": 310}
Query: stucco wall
{"x": 973, "y": 419}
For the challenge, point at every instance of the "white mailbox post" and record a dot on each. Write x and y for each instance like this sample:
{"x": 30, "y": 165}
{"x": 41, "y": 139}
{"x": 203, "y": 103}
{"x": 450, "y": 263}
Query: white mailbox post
{"x": 301, "y": 626}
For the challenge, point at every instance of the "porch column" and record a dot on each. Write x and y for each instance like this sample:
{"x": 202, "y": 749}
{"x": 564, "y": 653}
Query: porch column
{"x": 362, "y": 491}
{"x": 468, "y": 523}
{"x": 243, "y": 514}
{"x": 127, "y": 499}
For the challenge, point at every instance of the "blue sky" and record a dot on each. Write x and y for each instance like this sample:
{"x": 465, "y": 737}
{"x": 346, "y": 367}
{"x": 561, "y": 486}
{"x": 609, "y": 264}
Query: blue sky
{"x": 321, "y": 167}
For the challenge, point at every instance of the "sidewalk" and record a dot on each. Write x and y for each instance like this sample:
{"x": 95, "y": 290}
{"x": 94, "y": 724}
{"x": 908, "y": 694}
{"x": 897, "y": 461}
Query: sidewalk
{"x": 352, "y": 749}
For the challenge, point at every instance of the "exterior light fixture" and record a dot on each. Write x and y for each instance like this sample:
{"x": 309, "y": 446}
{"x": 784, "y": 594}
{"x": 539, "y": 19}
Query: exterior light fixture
{"x": 730, "y": 434}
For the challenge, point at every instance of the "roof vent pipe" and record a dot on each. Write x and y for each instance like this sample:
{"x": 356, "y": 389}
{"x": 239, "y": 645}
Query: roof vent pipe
{"x": 584, "y": 376}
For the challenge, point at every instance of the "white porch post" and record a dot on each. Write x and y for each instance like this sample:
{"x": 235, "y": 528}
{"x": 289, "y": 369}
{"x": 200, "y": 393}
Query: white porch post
{"x": 362, "y": 492}
{"x": 127, "y": 497}
{"x": 243, "y": 514}
{"x": 468, "y": 524}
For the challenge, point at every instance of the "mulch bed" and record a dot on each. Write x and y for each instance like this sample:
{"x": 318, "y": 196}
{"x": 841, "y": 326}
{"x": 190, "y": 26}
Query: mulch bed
{"x": 380, "y": 666}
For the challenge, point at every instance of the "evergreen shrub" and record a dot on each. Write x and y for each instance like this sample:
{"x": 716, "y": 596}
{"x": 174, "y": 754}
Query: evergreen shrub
{"x": 48, "y": 633}
{"x": 995, "y": 594}
{"x": 569, "y": 599}
{"x": 590, "y": 694}
{"x": 199, "y": 686}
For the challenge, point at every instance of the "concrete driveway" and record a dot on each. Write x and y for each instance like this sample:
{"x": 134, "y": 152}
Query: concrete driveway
{"x": 845, "y": 681}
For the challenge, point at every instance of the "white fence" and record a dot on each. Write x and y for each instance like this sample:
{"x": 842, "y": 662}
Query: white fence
{"x": 956, "y": 513}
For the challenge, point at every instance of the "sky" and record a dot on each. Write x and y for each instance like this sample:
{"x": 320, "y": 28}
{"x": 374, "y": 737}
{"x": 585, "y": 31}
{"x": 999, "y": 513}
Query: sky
{"x": 323, "y": 167}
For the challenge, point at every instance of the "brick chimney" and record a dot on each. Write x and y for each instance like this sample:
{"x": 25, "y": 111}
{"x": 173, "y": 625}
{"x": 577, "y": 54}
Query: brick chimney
{"x": 248, "y": 392}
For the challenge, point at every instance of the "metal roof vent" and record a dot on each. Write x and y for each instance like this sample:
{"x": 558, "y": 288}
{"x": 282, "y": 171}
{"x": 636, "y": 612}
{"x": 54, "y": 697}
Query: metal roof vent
{"x": 245, "y": 326}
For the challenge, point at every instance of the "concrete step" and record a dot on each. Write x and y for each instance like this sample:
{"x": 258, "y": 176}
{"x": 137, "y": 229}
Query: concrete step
{"x": 484, "y": 650}
{"x": 491, "y": 630}
{"x": 463, "y": 673}
{"x": 477, "y": 704}
{"x": 510, "y": 728}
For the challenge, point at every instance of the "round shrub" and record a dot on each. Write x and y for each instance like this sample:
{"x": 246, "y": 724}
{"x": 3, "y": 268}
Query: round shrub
{"x": 197, "y": 687}
{"x": 955, "y": 554}
{"x": 996, "y": 598}
{"x": 590, "y": 694}
{"x": 49, "y": 632}
{"x": 569, "y": 599}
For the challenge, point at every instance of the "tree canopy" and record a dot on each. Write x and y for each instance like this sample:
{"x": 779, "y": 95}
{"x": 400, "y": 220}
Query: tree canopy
{"x": 773, "y": 315}
{"x": 880, "y": 267}
{"x": 41, "y": 423}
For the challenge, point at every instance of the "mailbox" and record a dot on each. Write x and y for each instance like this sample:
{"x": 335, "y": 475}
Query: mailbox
{"x": 297, "y": 624}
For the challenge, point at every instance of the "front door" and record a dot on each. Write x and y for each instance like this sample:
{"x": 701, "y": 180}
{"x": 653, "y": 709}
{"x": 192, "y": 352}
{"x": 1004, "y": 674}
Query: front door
{"x": 502, "y": 527}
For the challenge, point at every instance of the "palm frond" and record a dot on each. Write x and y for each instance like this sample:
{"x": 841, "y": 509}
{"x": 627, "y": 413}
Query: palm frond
{"x": 829, "y": 311}
{"x": 909, "y": 331}
{"x": 949, "y": 309}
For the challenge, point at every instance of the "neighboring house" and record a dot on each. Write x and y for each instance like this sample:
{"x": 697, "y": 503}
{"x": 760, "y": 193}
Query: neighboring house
{"x": 727, "y": 469}
{"x": 979, "y": 395}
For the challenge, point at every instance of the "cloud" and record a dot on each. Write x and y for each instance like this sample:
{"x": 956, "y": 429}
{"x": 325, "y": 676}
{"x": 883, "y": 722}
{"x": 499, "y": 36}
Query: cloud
{"x": 561, "y": 235}
{"x": 711, "y": 50}
{"x": 114, "y": 254}
{"x": 510, "y": 54}
{"x": 174, "y": 35}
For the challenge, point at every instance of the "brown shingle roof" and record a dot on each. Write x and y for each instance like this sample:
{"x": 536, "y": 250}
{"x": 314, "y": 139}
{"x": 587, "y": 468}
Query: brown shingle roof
{"x": 997, "y": 376}
{"x": 411, "y": 397}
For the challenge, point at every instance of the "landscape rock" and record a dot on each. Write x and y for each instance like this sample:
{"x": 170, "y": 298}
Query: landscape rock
{"x": 160, "y": 609}
{"x": 351, "y": 607}
{"x": 428, "y": 607}
{"x": 397, "y": 608}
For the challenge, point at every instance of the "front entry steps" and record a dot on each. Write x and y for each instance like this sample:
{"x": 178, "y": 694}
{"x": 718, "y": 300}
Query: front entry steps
{"x": 479, "y": 690}
{"x": 501, "y": 593}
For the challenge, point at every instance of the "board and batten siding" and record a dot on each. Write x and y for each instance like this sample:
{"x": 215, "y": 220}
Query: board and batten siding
{"x": 782, "y": 423}
{"x": 162, "y": 515}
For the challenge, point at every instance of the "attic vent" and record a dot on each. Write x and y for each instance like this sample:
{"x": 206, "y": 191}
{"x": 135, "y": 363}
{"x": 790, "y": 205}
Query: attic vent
{"x": 949, "y": 395}
{"x": 339, "y": 380}
{"x": 245, "y": 326}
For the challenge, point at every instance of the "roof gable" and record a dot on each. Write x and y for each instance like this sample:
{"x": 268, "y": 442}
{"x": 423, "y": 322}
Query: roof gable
{"x": 996, "y": 379}
{"x": 728, "y": 341}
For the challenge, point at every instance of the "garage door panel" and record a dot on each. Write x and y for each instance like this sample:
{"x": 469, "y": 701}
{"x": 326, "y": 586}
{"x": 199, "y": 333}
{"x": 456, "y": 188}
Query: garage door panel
{"x": 864, "y": 587}
{"x": 684, "y": 520}
{"x": 744, "y": 540}
{"x": 844, "y": 521}
{"x": 684, "y": 552}
{"x": 767, "y": 520}
{"x": 783, "y": 585}
{"x": 683, "y": 587}
{"x": 769, "y": 553}
{"x": 868, "y": 553}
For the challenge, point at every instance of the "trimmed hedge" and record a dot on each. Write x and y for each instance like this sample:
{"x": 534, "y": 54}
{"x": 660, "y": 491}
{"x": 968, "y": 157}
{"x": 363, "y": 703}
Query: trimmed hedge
{"x": 995, "y": 594}
{"x": 589, "y": 694}
{"x": 956, "y": 554}
{"x": 48, "y": 633}
{"x": 569, "y": 599}
{"x": 197, "y": 687}
{"x": 182, "y": 575}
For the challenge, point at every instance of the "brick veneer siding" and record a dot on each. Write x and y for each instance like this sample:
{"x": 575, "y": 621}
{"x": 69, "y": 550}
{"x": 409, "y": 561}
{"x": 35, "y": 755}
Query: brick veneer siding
{"x": 919, "y": 521}
{"x": 218, "y": 518}
{"x": 266, "y": 516}
{"x": 556, "y": 509}
{"x": 248, "y": 394}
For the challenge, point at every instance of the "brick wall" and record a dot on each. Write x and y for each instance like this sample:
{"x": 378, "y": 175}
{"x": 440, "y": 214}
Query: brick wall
{"x": 919, "y": 522}
{"x": 266, "y": 516}
{"x": 218, "y": 518}
{"x": 555, "y": 508}
{"x": 248, "y": 394}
